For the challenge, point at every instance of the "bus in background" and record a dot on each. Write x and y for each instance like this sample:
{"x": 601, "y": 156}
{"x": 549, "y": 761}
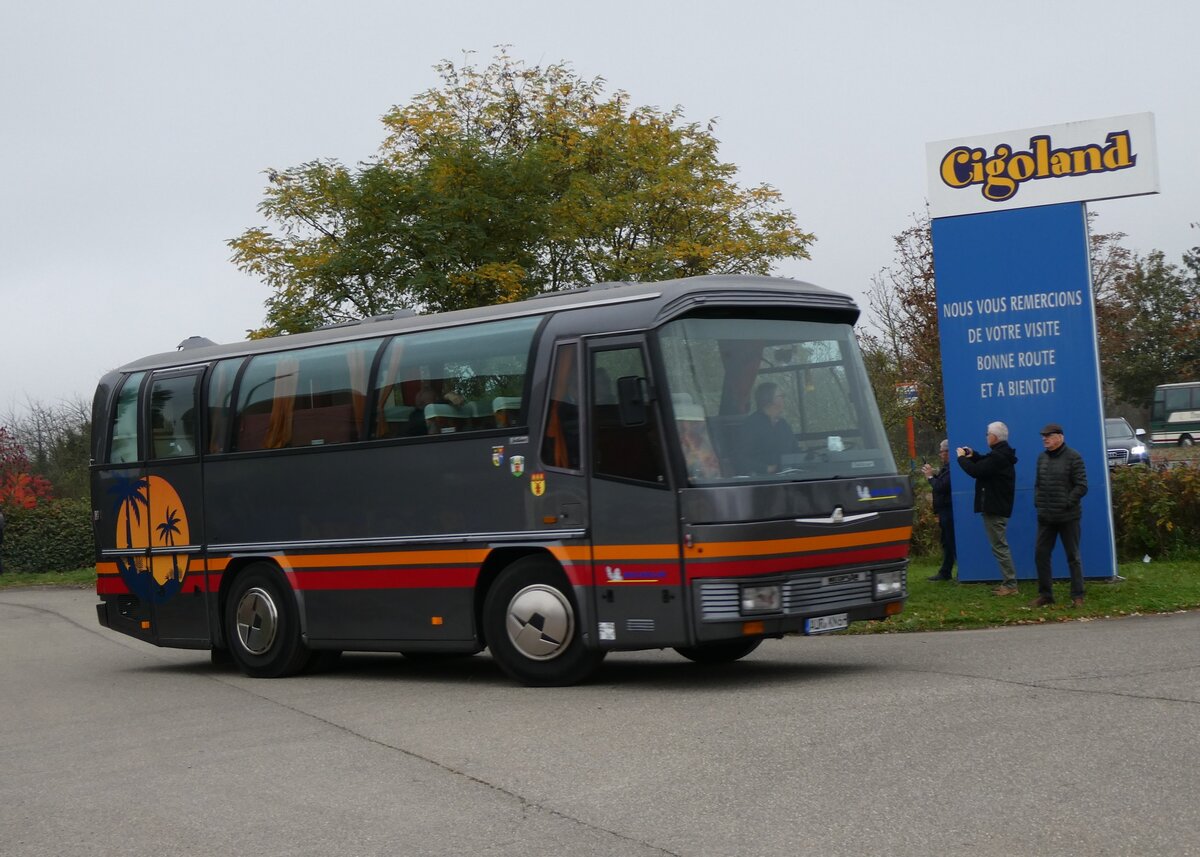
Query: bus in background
{"x": 1175, "y": 414}
{"x": 555, "y": 479}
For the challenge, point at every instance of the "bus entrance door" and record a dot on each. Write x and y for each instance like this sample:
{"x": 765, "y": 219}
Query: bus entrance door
{"x": 173, "y": 573}
{"x": 634, "y": 518}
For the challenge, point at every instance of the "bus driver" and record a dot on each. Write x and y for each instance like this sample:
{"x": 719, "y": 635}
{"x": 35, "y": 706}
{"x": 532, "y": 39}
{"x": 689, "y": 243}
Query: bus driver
{"x": 766, "y": 435}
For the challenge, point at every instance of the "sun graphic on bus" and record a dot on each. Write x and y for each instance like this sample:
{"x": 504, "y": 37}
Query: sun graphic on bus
{"x": 150, "y": 517}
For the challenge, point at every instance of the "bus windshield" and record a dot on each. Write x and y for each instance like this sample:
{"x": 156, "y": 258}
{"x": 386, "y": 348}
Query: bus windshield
{"x": 771, "y": 400}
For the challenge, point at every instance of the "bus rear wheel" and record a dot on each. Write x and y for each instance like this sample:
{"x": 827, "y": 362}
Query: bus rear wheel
{"x": 262, "y": 624}
{"x": 532, "y": 627}
{"x": 1185, "y": 440}
{"x": 723, "y": 652}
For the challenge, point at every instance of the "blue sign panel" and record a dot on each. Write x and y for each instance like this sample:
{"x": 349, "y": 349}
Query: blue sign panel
{"x": 1018, "y": 339}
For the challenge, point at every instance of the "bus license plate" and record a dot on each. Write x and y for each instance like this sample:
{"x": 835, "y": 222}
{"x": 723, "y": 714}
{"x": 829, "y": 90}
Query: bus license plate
{"x": 825, "y": 624}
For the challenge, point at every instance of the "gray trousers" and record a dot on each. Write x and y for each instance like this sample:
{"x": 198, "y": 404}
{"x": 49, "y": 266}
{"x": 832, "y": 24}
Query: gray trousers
{"x": 996, "y": 526}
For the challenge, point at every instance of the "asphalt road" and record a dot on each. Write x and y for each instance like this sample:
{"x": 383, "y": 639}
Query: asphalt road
{"x": 1076, "y": 738}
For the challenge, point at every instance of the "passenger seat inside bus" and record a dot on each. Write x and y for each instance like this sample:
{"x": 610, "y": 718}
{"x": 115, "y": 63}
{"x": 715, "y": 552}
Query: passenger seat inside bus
{"x": 445, "y": 419}
{"x": 318, "y": 426}
{"x": 481, "y": 414}
{"x": 507, "y": 410}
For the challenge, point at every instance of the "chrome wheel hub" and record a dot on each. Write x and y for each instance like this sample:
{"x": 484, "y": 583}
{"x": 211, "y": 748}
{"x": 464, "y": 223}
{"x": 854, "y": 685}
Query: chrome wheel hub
{"x": 540, "y": 622}
{"x": 257, "y": 621}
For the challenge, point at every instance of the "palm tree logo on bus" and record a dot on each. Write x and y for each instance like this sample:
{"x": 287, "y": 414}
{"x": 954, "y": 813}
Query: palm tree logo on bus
{"x": 131, "y": 493}
{"x": 167, "y": 531}
{"x": 153, "y": 576}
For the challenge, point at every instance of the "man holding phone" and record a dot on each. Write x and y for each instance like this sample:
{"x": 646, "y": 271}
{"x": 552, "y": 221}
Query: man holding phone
{"x": 995, "y": 475}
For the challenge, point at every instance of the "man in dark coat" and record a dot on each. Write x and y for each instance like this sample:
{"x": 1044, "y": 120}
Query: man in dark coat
{"x": 995, "y": 476}
{"x": 944, "y": 509}
{"x": 1059, "y": 486}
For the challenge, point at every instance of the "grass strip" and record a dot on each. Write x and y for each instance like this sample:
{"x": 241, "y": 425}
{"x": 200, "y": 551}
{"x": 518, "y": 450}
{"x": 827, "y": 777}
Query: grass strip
{"x": 1161, "y": 586}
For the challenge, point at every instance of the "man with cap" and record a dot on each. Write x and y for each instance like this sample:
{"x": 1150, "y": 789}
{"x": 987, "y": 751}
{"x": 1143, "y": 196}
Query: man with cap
{"x": 1059, "y": 486}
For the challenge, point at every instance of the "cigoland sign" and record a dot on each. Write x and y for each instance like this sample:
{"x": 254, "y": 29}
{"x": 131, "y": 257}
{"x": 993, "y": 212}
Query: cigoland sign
{"x": 1075, "y": 162}
{"x": 1016, "y": 313}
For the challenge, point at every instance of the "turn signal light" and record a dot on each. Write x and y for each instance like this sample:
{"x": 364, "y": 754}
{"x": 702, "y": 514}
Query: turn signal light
{"x": 435, "y": 620}
{"x": 894, "y": 608}
{"x": 753, "y": 628}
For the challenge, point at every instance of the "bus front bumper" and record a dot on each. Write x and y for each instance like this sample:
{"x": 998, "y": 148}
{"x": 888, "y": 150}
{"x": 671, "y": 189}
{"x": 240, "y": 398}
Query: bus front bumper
{"x": 798, "y": 603}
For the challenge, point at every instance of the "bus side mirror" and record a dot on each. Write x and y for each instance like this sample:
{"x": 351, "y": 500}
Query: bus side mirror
{"x": 633, "y": 399}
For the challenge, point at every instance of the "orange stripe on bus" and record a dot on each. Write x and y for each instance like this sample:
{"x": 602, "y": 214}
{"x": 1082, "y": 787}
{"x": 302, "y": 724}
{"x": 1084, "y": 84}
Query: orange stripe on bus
{"x": 801, "y": 545}
{"x": 627, "y": 553}
{"x": 710, "y": 550}
{"x": 570, "y": 554}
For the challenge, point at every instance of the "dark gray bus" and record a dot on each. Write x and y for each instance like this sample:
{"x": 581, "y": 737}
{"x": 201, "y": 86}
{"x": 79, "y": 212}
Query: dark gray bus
{"x": 696, "y": 464}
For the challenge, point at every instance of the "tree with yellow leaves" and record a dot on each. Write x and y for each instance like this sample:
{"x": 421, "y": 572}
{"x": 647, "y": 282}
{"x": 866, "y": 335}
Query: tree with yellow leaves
{"x": 502, "y": 183}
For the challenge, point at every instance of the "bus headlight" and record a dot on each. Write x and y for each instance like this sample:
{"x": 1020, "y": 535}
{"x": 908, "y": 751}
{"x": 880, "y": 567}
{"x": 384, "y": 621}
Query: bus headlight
{"x": 761, "y": 599}
{"x": 889, "y": 584}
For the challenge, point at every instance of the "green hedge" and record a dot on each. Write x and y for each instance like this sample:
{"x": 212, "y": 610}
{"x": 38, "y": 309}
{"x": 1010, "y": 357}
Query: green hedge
{"x": 56, "y": 536}
{"x": 1155, "y": 512}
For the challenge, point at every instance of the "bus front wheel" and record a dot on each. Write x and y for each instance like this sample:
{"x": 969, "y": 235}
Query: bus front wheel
{"x": 532, "y": 627}
{"x": 262, "y": 624}
{"x": 724, "y": 652}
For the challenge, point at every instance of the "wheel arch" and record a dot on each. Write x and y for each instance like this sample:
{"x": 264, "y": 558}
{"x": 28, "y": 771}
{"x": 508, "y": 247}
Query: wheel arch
{"x": 237, "y": 565}
{"x": 501, "y": 558}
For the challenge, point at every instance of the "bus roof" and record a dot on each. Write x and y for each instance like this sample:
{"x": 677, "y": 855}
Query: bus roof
{"x": 662, "y": 301}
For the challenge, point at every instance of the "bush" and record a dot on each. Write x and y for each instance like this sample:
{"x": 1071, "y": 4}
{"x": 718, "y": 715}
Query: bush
{"x": 55, "y": 535}
{"x": 1156, "y": 512}
{"x": 926, "y": 535}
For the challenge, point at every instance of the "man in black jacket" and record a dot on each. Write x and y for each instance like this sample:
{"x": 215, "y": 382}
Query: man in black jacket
{"x": 944, "y": 509}
{"x": 1060, "y": 484}
{"x": 995, "y": 476}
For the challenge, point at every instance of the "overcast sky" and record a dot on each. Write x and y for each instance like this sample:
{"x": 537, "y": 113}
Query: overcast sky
{"x": 134, "y": 136}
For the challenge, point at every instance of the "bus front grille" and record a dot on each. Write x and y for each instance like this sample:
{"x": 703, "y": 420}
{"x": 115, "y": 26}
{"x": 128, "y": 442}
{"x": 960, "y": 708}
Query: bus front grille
{"x": 802, "y": 594}
{"x": 822, "y": 595}
{"x": 719, "y": 601}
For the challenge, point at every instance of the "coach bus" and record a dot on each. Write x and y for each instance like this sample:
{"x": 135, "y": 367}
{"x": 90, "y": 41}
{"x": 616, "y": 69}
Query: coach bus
{"x": 1175, "y": 414}
{"x": 553, "y": 480}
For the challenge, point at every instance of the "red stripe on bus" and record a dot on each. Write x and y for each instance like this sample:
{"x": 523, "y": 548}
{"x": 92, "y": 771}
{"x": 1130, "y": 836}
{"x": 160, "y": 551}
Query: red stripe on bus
{"x": 385, "y": 578}
{"x": 193, "y": 581}
{"x": 109, "y": 584}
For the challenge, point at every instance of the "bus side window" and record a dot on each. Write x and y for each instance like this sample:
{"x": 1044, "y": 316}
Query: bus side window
{"x": 220, "y": 403}
{"x": 560, "y": 441}
{"x": 124, "y": 448}
{"x": 453, "y": 381}
{"x": 173, "y": 416}
{"x": 308, "y": 397}
{"x": 618, "y": 450}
